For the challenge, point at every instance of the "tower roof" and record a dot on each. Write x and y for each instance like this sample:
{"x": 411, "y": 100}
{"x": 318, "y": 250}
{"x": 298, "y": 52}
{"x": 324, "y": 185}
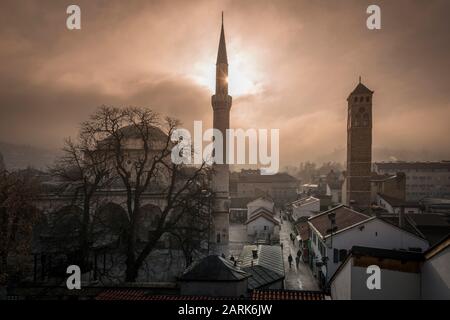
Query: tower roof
{"x": 361, "y": 89}
{"x": 222, "y": 53}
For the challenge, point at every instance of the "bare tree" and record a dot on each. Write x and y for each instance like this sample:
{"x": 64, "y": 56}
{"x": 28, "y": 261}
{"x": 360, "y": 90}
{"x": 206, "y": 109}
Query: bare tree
{"x": 83, "y": 171}
{"x": 138, "y": 145}
{"x": 194, "y": 228}
{"x": 17, "y": 218}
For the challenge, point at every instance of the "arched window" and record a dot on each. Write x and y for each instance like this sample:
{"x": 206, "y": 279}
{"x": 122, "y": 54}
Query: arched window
{"x": 367, "y": 99}
{"x": 149, "y": 220}
{"x": 365, "y": 120}
{"x": 356, "y": 99}
{"x": 357, "y": 121}
{"x": 361, "y": 99}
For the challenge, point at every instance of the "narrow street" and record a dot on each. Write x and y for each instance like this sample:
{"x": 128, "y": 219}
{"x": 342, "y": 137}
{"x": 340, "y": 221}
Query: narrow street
{"x": 300, "y": 278}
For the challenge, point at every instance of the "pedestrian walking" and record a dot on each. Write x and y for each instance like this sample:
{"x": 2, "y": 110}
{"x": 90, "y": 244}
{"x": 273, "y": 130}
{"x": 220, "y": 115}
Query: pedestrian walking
{"x": 297, "y": 261}
{"x": 290, "y": 261}
{"x": 299, "y": 253}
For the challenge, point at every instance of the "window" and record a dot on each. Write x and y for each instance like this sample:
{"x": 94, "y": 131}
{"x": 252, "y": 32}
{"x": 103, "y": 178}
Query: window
{"x": 218, "y": 238}
{"x": 266, "y": 227}
{"x": 357, "y": 122}
{"x": 342, "y": 254}
{"x": 361, "y": 99}
{"x": 367, "y": 99}
{"x": 365, "y": 120}
{"x": 335, "y": 255}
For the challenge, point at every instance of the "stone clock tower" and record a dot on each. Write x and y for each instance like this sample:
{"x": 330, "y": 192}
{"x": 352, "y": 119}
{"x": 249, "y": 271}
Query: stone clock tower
{"x": 221, "y": 103}
{"x": 359, "y": 147}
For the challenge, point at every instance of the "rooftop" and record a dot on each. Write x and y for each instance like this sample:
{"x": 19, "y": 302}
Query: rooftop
{"x": 214, "y": 268}
{"x": 395, "y": 202}
{"x": 304, "y": 201}
{"x": 402, "y": 165}
{"x": 262, "y": 212}
{"x": 386, "y": 254}
{"x": 345, "y": 217}
{"x": 287, "y": 295}
{"x": 259, "y": 178}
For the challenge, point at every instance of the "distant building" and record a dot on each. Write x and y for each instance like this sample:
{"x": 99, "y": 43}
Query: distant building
{"x": 392, "y": 185}
{"x": 261, "y": 223}
{"x": 250, "y": 184}
{"x": 305, "y": 207}
{"x": 423, "y": 179}
{"x": 335, "y": 186}
{"x": 309, "y": 188}
{"x": 436, "y": 205}
{"x": 359, "y": 147}
{"x": 335, "y": 231}
{"x": 263, "y": 202}
{"x": 403, "y": 275}
{"x": 395, "y": 205}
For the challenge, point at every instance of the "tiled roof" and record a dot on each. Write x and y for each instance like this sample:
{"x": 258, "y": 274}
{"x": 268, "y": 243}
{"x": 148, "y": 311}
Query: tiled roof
{"x": 266, "y": 268}
{"x": 303, "y": 230}
{"x": 136, "y": 294}
{"x": 141, "y": 295}
{"x": 262, "y": 214}
{"x": 261, "y": 276}
{"x": 270, "y": 257}
{"x": 213, "y": 268}
{"x": 287, "y": 295}
{"x": 344, "y": 217}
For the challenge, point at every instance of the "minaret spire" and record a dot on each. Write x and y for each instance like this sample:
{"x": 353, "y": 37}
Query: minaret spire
{"x": 222, "y": 53}
{"x": 221, "y": 102}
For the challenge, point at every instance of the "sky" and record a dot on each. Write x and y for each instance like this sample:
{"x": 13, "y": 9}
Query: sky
{"x": 292, "y": 65}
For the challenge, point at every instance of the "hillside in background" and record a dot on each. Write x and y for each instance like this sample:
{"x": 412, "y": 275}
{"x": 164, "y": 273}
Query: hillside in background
{"x": 22, "y": 156}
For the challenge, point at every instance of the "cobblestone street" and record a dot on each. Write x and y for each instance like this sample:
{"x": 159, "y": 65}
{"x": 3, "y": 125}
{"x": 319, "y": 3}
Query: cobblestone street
{"x": 300, "y": 278}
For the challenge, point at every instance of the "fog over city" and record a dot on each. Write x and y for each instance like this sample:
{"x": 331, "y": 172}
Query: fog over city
{"x": 290, "y": 68}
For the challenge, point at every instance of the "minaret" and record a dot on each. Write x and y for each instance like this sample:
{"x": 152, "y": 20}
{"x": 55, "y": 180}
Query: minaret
{"x": 221, "y": 103}
{"x": 359, "y": 147}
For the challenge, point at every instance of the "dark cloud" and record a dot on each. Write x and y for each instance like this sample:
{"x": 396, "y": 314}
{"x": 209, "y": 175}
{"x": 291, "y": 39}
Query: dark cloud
{"x": 298, "y": 60}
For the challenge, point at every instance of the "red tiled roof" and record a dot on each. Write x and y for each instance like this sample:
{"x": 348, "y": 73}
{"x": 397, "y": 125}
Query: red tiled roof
{"x": 287, "y": 295}
{"x": 136, "y": 294}
{"x": 142, "y": 295}
{"x": 344, "y": 217}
